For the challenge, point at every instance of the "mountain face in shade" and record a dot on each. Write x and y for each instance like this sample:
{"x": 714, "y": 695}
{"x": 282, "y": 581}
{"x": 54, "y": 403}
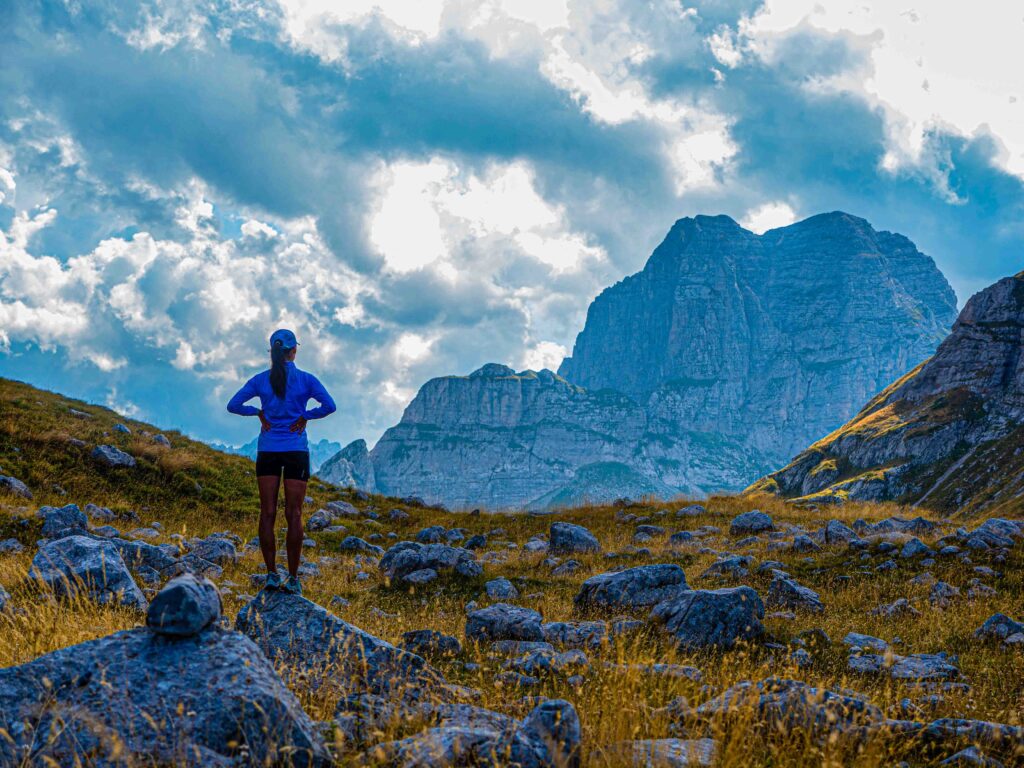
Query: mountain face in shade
{"x": 725, "y": 355}
{"x": 771, "y": 340}
{"x": 948, "y": 435}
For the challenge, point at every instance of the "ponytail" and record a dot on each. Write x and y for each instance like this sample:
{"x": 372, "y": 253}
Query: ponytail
{"x": 278, "y": 370}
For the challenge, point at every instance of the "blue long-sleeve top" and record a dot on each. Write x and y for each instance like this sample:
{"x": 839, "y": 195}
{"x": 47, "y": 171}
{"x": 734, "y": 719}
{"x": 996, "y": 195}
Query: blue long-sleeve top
{"x": 283, "y": 412}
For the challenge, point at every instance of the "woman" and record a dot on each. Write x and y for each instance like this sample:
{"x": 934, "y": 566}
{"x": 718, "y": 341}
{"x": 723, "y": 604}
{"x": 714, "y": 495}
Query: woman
{"x": 283, "y": 391}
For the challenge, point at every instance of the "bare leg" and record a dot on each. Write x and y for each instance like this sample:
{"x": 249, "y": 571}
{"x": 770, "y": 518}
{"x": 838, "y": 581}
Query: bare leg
{"x": 268, "y": 485}
{"x": 294, "y": 495}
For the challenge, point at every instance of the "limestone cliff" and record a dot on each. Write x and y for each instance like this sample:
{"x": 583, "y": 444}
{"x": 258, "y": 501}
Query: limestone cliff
{"x": 948, "y": 435}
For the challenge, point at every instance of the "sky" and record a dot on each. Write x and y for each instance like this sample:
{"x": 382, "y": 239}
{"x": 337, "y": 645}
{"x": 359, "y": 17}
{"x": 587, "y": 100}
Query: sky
{"x": 418, "y": 187}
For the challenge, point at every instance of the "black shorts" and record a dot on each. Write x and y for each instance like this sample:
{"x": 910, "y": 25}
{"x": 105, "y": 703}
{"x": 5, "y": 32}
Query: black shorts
{"x": 294, "y": 464}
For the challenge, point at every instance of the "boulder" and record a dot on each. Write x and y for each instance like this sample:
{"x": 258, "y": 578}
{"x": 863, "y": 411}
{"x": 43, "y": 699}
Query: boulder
{"x": 998, "y": 626}
{"x": 138, "y": 698}
{"x": 785, "y": 592}
{"x": 712, "y": 618}
{"x": 643, "y": 586}
{"x": 751, "y": 522}
{"x": 63, "y": 521}
{"x": 504, "y": 622}
{"x": 110, "y": 456}
{"x": 575, "y": 634}
{"x": 317, "y": 645}
{"x": 215, "y": 549}
{"x": 730, "y": 567}
{"x": 184, "y": 607}
{"x": 14, "y": 486}
{"x": 836, "y": 533}
{"x": 568, "y": 538}
{"x": 406, "y": 557}
{"x": 356, "y": 544}
{"x": 435, "y": 534}
{"x": 77, "y": 565}
{"x": 429, "y": 643}
{"x": 501, "y": 589}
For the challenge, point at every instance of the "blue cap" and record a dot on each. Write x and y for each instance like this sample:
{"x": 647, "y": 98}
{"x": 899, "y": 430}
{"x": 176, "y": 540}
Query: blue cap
{"x": 285, "y": 337}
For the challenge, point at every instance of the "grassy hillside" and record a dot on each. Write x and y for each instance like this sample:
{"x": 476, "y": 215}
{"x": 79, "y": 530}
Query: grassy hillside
{"x": 616, "y": 703}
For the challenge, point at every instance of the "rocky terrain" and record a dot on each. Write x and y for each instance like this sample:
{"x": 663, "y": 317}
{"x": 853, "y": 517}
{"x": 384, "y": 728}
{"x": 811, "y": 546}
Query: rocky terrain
{"x": 742, "y": 631}
{"x": 727, "y": 354}
{"x": 947, "y": 436}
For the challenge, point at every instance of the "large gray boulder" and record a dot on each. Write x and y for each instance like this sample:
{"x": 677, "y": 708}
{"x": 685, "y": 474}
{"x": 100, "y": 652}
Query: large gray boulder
{"x": 110, "y": 456}
{"x": 712, "y": 618}
{"x": 643, "y": 586}
{"x": 568, "y": 538}
{"x": 998, "y": 626}
{"x": 138, "y": 698}
{"x": 407, "y": 557}
{"x": 184, "y": 607}
{"x": 317, "y": 645}
{"x": 504, "y": 622}
{"x": 548, "y": 737}
{"x": 78, "y": 565}
{"x": 214, "y": 549}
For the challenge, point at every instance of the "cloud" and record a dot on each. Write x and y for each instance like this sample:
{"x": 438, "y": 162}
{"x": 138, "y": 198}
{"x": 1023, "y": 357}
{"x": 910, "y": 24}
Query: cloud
{"x": 421, "y": 188}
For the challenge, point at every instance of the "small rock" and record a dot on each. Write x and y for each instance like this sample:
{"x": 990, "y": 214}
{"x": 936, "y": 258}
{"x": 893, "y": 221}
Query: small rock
{"x": 110, "y": 456}
{"x": 14, "y": 486}
{"x": 185, "y": 607}
{"x": 504, "y": 622}
{"x": 751, "y": 522}
{"x": 567, "y": 539}
{"x": 501, "y": 589}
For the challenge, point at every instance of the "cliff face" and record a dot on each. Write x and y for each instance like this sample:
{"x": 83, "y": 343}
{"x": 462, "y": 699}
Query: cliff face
{"x": 724, "y": 356}
{"x": 770, "y": 341}
{"x": 948, "y": 435}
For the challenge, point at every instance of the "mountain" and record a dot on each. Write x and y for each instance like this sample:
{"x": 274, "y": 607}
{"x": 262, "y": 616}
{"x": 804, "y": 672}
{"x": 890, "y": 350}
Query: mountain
{"x": 770, "y": 341}
{"x": 723, "y": 357}
{"x": 319, "y": 452}
{"x": 949, "y": 435}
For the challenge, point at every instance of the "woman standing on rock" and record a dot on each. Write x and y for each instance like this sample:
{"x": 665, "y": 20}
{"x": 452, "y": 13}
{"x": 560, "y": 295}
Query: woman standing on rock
{"x": 283, "y": 449}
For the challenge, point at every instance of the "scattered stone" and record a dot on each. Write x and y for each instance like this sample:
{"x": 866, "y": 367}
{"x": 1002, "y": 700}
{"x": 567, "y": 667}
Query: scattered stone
{"x": 161, "y": 440}
{"x": 570, "y": 634}
{"x": 784, "y": 592}
{"x": 504, "y": 622}
{"x": 567, "y": 568}
{"x": 215, "y": 549}
{"x": 185, "y": 607}
{"x": 900, "y": 607}
{"x": 915, "y": 548}
{"x": 971, "y": 756}
{"x": 917, "y": 666}
{"x": 804, "y": 543}
{"x": 79, "y": 565}
{"x": 998, "y": 626}
{"x": 567, "y": 539}
{"x": 110, "y": 456}
{"x": 638, "y": 587}
{"x": 5, "y": 599}
{"x": 430, "y": 643}
{"x": 858, "y": 641}
{"x": 14, "y": 486}
{"x": 356, "y": 544}
{"x": 501, "y": 589}
{"x": 63, "y": 521}
{"x": 751, "y": 522}
{"x": 407, "y": 557}
{"x": 836, "y": 533}
{"x": 11, "y": 547}
{"x": 691, "y": 511}
{"x": 943, "y": 594}
{"x": 432, "y": 535}
{"x": 720, "y": 618}
{"x": 732, "y": 567}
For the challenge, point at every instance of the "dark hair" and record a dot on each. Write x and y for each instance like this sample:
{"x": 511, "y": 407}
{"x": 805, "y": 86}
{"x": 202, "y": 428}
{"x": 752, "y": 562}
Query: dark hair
{"x": 278, "y": 370}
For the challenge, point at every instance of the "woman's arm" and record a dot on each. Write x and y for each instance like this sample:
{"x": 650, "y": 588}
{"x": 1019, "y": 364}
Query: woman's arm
{"x": 237, "y": 404}
{"x": 318, "y": 393}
